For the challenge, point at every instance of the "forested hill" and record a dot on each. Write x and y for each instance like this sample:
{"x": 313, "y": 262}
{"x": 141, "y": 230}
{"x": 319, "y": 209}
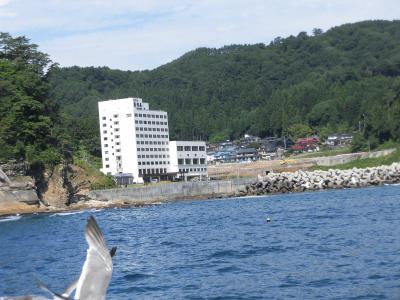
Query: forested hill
{"x": 344, "y": 79}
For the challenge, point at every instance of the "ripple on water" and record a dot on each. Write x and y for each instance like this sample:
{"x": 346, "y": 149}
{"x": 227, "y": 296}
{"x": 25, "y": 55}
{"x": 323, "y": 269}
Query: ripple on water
{"x": 318, "y": 246}
{"x": 136, "y": 276}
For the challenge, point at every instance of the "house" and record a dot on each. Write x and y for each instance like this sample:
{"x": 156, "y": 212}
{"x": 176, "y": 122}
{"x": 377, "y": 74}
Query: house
{"x": 247, "y": 154}
{"x": 306, "y": 144}
{"x": 343, "y": 139}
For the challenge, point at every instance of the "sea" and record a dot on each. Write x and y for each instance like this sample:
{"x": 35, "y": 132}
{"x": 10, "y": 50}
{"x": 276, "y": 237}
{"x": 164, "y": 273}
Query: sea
{"x": 336, "y": 244}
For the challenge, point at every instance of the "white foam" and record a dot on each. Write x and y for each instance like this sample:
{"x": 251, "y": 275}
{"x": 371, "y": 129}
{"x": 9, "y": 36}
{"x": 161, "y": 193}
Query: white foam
{"x": 68, "y": 213}
{"x": 10, "y": 218}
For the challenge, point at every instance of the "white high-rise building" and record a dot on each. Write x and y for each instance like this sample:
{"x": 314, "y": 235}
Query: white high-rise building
{"x": 134, "y": 139}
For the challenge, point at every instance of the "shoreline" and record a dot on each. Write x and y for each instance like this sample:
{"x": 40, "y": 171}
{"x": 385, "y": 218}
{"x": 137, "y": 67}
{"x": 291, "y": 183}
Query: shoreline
{"x": 100, "y": 205}
{"x": 270, "y": 184}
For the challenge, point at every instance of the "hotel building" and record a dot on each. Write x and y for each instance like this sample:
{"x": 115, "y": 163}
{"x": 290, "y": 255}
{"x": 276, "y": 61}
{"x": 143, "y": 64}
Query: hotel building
{"x": 135, "y": 142}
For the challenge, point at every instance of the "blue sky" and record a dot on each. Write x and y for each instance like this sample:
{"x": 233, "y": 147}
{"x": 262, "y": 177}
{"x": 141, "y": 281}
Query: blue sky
{"x": 137, "y": 35}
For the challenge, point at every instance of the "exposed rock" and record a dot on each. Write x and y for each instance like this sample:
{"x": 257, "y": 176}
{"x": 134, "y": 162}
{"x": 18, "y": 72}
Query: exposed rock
{"x": 14, "y": 168}
{"x": 66, "y": 184}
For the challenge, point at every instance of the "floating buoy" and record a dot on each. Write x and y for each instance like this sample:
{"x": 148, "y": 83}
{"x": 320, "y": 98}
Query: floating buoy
{"x": 268, "y": 220}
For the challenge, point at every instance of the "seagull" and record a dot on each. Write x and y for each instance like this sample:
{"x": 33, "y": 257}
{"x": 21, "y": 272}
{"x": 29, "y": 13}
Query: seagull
{"x": 96, "y": 271}
{"x": 98, "y": 267}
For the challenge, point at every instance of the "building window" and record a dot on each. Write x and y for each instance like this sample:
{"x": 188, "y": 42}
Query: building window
{"x": 195, "y": 161}
{"x": 180, "y": 161}
{"x": 187, "y": 148}
{"x": 105, "y": 145}
{"x": 104, "y": 131}
{"x": 116, "y": 123}
{"x": 187, "y": 161}
{"x": 103, "y": 118}
{"x": 106, "y": 159}
{"x": 202, "y": 148}
{"x": 115, "y": 116}
{"x": 202, "y": 161}
{"x": 107, "y": 166}
{"x": 104, "y": 125}
{"x": 128, "y": 115}
{"x": 105, "y": 139}
{"x": 195, "y": 148}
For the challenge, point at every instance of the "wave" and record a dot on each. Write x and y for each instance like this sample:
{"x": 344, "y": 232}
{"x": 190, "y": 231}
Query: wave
{"x": 10, "y": 218}
{"x": 67, "y": 213}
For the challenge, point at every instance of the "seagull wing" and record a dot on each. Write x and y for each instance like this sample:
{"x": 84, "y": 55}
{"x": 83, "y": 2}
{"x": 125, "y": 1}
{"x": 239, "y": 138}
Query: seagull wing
{"x": 55, "y": 295}
{"x": 68, "y": 291}
{"x": 97, "y": 269}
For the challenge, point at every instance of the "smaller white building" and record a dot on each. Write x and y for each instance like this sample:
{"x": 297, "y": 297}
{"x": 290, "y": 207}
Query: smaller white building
{"x": 188, "y": 159}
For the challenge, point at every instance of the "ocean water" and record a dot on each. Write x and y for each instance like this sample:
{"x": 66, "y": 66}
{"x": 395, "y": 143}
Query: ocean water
{"x": 342, "y": 244}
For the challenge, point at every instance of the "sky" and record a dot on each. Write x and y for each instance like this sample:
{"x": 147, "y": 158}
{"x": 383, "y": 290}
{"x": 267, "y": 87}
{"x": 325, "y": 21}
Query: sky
{"x": 144, "y": 34}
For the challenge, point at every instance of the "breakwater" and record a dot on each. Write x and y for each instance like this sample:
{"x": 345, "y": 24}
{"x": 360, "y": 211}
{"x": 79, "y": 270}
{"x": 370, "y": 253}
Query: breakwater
{"x": 301, "y": 181}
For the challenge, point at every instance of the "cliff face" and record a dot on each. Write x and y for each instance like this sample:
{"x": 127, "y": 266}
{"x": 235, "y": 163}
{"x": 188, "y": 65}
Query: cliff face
{"x": 55, "y": 189}
{"x": 64, "y": 185}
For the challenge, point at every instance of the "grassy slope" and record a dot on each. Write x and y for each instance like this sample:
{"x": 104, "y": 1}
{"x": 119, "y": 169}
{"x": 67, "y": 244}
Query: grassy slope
{"x": 365, "y": 162}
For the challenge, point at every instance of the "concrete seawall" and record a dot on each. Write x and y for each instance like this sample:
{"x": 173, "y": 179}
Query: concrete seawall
{"x": 345, "y": 158}
{"x": 173, "y": 191}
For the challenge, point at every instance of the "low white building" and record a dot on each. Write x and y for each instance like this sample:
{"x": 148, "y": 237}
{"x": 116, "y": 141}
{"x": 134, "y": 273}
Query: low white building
{"x": 189, "y": 159}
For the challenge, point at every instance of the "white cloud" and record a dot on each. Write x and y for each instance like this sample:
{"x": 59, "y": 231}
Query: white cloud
{"x": 145, "y": 34}
{"x": 4, "y": 2}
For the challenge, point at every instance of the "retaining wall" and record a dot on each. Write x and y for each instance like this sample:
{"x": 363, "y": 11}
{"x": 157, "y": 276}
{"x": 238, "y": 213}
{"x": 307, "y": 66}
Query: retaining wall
{"x": 173, "y": 191}
{"x": 345, "y": 158}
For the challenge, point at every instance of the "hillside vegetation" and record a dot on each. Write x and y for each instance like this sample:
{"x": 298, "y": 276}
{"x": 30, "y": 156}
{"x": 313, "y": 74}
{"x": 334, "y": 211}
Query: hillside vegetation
{"x": 32, "y": 127}
{"x": 342, "y": 80}
{"x": 346, "y": 79}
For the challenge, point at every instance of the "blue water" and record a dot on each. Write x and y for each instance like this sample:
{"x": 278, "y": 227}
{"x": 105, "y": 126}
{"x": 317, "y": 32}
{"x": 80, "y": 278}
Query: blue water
{"x": 342, "y": 244}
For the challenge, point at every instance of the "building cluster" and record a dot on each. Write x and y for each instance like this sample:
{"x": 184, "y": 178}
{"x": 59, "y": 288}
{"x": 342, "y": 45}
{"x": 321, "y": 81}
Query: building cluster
{"x": 248, "y": 148}
{"x": 136, "y": 147}
{"x": 251, "y": 148}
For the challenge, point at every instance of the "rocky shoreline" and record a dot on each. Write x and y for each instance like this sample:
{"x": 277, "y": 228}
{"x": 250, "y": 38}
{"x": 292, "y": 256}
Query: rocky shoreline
{"x": 302, "y": 181}
{"x": 20, "y": 198}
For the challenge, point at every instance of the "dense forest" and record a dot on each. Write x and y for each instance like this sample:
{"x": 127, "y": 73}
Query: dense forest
{"x": 344, "y": 80}
{"x": 29, "y": 121}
